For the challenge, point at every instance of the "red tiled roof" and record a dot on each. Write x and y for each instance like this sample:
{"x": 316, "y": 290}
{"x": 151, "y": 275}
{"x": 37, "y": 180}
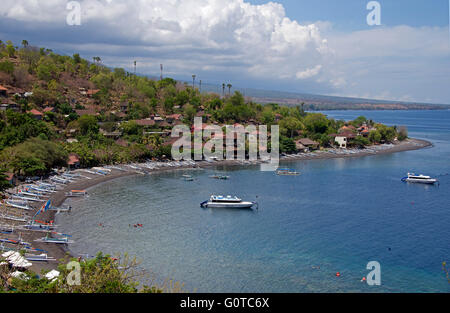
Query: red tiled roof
{"x": 348, "y": 127}
{"x": 91, "y": 92}
{"x": 145, "y": 122}
{"x": 34, "y": 112}
{"x": 48, "y": 109}
{"x": 73, "y": 159}
{"x": 174, "y": 116}
{"x": 347, "y": 134}
{"x": 3, "y": 88}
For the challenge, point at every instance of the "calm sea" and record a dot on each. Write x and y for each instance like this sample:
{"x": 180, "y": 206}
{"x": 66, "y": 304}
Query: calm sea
{"x": 336, "y": 217}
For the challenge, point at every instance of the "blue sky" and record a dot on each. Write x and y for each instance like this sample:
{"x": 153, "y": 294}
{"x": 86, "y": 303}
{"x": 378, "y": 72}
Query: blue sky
{"x": 318, "y": 47}
{"x": 350, "y": 14}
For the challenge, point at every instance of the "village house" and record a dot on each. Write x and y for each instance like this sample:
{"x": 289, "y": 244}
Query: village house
{"x": 364, "y": 130}
{"x": 48, "y": 109}
{"x": 347, "y": 128}
{"x": 300, "y": 147}
{"x": 6, "y": 104}
{"x": 36, "y": 114}
{"x": 308, "y": 143}
{"x": 124, "y": 106}
{"x": 343, "y": 138}
{"x": 174, "y": 117}
{"x": 278, "y": 117}
{"x": 3, "y": 91}
{"x": 145, "y": 122}
{"x": 74, "y": 161}
{"x": 91, "y": 92}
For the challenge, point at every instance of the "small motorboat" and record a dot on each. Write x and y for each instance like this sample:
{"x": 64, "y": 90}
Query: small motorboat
{"x": 227, "y": 202}
{"x": 188, "y": 178}
{"x": 76, "y": 193}
{"x": 420, "y": 179}
{"x": 222, "y": 177}
{"x": 287, "y": 172}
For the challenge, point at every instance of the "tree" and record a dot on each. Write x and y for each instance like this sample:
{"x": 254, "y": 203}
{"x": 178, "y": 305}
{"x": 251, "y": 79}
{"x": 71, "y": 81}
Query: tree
{"x": 229, "y": 89}
{"x": 88, "y": 125}
{"x": 10, "y": 49}
{"x": 25, "y": 43}
{"x": 287, "y": 145}
{"x": 7, "y": 67}
{"x": 402, "y": 133}
{"x": 360, "y": 142}
{"x": 189, "y": 112}
{"x": 102, "y": 274}
{"x": 77, "y": 58}
{"x": 316, "y": 123}
{"x": 131, "y": 128}
{"x": 359, "y": 121}
{"x": 374, "y": 136}
{"x": 291, "y": 124}
{"x": 4, "y": 184}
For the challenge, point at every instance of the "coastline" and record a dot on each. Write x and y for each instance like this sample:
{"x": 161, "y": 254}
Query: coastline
{"x": 60, "y": 252}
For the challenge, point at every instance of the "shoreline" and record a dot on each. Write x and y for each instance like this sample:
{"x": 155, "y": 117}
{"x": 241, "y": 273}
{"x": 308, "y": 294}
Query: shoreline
{"x": 58, "y": 198}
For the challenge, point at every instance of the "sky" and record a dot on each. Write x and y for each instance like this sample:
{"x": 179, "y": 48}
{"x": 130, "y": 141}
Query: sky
{"x": 318, "y": 47}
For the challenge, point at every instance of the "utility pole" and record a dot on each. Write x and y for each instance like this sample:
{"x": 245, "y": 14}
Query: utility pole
{"x": 161, "y": 72}
{"x": 193, "y": 81}
{"x": 200, "y": 86}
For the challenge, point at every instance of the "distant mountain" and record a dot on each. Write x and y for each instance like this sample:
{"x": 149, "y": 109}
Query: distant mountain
{"x": 319, "y": 102}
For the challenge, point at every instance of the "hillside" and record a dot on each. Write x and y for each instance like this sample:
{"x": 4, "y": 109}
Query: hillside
{"x": 321, "y": 102}
{"x": 58, "y": 109}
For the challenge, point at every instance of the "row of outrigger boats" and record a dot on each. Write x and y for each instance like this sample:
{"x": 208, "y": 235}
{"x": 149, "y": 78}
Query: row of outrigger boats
{"x": 16, "y": 215}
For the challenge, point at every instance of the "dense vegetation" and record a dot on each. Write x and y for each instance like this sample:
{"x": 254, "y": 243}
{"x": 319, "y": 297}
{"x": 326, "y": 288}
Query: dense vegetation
{"x": 102, "y": 274}
{"x": 32, "y": 146}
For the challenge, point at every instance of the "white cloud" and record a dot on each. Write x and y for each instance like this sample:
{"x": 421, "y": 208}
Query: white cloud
{"x": 235, "y": 40}
{"x": 308, "y": 73}
{"x": 260, "y": 36}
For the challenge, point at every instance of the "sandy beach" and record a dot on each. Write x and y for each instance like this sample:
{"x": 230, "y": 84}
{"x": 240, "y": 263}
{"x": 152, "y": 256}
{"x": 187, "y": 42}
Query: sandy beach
{"x": 60, "y": 252}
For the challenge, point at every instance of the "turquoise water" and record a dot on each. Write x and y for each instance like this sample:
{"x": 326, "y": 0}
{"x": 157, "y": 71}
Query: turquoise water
{"x": 338, "y": 215}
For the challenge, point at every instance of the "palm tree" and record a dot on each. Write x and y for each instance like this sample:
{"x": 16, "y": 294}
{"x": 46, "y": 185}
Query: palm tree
{"x": 96, "y": 59}
{"x": 229, "y": 89}
{"x": 223, "y": 90}
{"x": 24, "y": 43}
{"x": 193, "y": 81}
{"x": 135, "y": 67}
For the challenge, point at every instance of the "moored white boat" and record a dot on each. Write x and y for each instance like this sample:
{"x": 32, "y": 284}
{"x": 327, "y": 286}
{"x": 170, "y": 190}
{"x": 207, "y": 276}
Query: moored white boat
{"x": 420, "y": 179}
{"x": 227, "y": 202}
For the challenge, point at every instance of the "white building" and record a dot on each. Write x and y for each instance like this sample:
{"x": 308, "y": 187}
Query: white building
{"x": 342, "y": 141}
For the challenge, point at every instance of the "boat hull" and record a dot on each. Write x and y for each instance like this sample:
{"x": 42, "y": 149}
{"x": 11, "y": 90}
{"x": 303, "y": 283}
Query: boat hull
{"x": 241, "y": 205}
{"x": 421, "y": 181}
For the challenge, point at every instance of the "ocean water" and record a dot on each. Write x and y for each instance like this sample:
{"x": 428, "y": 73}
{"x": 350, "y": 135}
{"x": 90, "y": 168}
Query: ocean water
{"x": 337, "y": 216}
